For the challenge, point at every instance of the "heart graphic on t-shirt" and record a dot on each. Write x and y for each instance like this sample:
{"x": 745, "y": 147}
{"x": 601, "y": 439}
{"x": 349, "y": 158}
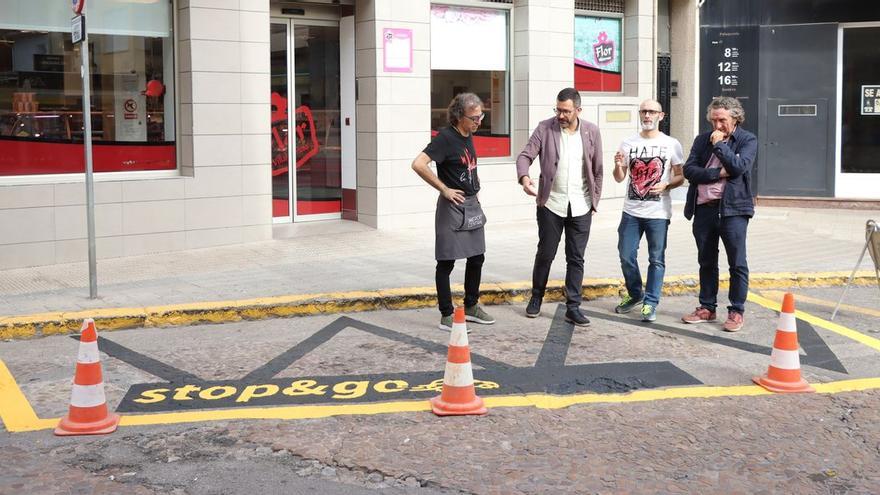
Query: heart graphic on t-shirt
{"x": 643, "y": 176}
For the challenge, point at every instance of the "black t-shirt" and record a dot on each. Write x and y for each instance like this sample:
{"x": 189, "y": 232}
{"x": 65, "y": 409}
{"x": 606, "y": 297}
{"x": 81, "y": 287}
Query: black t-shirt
{"x": 456, "y": 160}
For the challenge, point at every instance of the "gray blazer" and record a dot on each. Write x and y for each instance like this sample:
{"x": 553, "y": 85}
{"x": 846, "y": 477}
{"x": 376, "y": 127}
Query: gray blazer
{"x": 544, "y": 143}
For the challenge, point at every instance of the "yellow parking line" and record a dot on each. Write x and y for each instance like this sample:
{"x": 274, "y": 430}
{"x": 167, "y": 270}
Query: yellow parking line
{"x": 541, "y": 401}
{"x": 18, "y": 415}
{"x": 15, "y": 410}
{"x": 819, "y": 322}
{"x": 776, "y": 295}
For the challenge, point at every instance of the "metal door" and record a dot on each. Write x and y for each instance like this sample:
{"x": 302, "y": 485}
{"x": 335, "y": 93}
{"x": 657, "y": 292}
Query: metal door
{"x": 793, "y": 161}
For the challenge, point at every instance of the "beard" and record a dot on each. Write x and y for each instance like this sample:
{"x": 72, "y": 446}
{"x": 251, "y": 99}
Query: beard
{"x": 649, "y": 126}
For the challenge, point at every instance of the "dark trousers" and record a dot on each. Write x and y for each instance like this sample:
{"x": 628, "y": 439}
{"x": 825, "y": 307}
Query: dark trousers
{"x": 708, "y": 227}
{"x": 577, "y": 233}
{"x": 472, "y": 273}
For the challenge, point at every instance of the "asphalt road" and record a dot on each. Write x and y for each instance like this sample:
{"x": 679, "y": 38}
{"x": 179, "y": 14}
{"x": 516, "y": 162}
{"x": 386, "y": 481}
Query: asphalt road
{"x": 621, "y": 406}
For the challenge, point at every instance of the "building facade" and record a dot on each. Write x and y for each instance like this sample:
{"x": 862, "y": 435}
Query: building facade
{"x": 808, "y": 74}
{"x": 227, "y": 121}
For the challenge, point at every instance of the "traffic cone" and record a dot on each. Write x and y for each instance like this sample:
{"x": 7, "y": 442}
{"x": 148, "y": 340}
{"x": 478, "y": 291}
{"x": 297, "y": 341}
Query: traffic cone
{"x": 784, "y": 372}
{"x": 88, "y": 407}
{"x": 458, "y": 397}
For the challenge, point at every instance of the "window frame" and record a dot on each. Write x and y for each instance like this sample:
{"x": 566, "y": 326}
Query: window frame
{"x": 623, "y": 52}
{"x": 77, "y": 177}
{"x": 507, "y": 7}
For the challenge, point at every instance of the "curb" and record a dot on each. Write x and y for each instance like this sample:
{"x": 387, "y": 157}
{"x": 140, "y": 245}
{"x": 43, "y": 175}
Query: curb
{"x": 60, "y": 323}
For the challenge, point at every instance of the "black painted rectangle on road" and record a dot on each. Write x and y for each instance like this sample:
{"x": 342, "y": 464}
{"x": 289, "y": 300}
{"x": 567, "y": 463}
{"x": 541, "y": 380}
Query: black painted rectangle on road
{"x": 359, "y": 389}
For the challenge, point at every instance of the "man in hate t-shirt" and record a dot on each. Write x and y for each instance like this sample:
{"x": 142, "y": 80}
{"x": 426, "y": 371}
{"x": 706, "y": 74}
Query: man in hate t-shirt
{"x": 653, "y": 161}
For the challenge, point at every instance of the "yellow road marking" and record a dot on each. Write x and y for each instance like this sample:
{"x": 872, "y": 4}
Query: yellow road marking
{"x": 28, "y": 326}
{"x": 819, "y": 322}
{"x": 18, "y": 416}
{"x": 15, "y": 410}
{"x": 776, "y": 295}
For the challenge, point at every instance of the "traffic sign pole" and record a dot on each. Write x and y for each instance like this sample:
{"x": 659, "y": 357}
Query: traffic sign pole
{"x": 90, "y": 183}
{"x": 81, "y": 35}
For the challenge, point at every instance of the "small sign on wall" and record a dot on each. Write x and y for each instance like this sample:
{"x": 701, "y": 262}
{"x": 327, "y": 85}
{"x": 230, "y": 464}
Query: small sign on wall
{"x": 398, "y": 49}
{"x": 871, "y": 99}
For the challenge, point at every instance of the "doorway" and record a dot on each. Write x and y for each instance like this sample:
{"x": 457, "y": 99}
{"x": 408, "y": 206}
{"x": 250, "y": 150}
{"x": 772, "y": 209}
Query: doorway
{"x": 306, "y": 132}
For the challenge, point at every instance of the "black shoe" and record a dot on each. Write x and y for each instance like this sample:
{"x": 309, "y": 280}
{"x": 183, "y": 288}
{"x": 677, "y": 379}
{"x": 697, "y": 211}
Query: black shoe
{"x": 534, "y": 307}
{"x": 575, "y": 317}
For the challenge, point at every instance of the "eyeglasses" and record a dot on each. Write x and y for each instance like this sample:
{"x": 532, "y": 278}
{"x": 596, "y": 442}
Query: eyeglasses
{"x": 559, "y": 111}
{"x": 476, "y": 118}
{"x": 650, "y": 112}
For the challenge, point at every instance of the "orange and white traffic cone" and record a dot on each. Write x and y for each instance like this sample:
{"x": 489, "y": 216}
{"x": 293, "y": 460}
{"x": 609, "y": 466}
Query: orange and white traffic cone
{"x": 88, "y": 413}
{"x": 458, "y": 397}
{"x": 784, "y": 372}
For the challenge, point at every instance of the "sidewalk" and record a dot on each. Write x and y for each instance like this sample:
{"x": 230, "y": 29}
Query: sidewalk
{"x": 335, "y": 259}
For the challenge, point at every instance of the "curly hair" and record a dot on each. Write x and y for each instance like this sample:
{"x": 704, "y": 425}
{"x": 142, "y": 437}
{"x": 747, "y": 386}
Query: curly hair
{"x": 731, "y": 104}
{"x": 459, "y": 105}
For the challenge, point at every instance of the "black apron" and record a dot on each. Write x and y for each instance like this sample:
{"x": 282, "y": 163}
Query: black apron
{"x": 452, "y": 241}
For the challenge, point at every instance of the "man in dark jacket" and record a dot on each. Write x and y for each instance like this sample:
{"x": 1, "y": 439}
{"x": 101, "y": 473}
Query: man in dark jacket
{"x": 720, "y": 201}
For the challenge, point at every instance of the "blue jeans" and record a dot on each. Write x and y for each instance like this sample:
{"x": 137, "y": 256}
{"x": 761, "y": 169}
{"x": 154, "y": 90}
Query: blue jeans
{"x": 629, "y": 234}
{"x": 709, "y": 226}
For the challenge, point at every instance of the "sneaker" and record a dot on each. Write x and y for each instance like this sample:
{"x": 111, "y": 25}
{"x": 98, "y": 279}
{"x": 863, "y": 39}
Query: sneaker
{"x": 476, "y": 314}
{"x": 575, "y": 317}
{"x": 649, "y": 313}
{"x": 627, "y": 304}
{"x": 446, "y": 323}
{"x": 699, "y": 315}
{"x": 534, "y": 307}
{"x": 734, "y": 322}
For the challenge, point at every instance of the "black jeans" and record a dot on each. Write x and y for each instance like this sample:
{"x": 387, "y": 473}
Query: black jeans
{"x": 577, "y": 233}
{"x": 472, "y": 272}
{"x": 708, "y": 227}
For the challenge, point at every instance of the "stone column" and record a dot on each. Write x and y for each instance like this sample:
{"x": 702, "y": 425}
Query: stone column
{"x": 225, "y": 121}
{"x": 393, "y": 112}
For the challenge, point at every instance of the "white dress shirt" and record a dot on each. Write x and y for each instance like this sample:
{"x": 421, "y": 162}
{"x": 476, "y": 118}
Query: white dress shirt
{"x": 570, "y": 187}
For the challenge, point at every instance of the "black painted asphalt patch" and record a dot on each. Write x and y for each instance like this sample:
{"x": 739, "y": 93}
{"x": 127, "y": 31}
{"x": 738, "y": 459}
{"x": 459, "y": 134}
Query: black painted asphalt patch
{"x": 564, "y": 380}
{"x": 180, "y": 390}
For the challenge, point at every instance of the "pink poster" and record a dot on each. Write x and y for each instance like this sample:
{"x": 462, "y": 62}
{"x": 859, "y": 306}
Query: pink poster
{"x": 398, "y": 49}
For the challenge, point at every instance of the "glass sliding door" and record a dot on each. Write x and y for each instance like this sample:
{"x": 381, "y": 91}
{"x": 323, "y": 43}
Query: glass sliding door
{"x": 307, "y": 160}
{"x": 317, "y": 104}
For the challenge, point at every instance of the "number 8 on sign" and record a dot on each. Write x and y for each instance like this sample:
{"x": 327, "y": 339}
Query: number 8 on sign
{"x": 77, "y": 6}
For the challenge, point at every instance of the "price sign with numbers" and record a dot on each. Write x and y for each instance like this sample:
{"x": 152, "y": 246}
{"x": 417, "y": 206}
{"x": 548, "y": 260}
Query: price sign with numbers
{"x": 729, "y": 65}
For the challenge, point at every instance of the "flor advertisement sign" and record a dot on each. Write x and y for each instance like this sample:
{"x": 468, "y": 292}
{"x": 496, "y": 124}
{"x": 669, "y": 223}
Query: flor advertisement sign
{"x": 597, "y": 53}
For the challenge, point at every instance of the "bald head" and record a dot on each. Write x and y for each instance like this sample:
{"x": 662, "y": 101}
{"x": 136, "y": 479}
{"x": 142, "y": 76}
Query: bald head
{"x": 651, "y": 105}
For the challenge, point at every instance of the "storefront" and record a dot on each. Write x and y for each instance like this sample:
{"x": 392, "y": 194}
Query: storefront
{"x": 227, "y": 122}
{"x": 41, "y": 93}
{"x": 807, "y": 73}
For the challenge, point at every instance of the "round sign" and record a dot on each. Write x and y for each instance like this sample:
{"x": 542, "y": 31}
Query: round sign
{"x": 77, "y": 6}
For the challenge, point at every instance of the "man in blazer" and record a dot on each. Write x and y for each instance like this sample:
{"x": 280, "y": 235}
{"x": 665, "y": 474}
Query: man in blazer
{"x": 568, "y": 192}
{"x": 720, "y": 202}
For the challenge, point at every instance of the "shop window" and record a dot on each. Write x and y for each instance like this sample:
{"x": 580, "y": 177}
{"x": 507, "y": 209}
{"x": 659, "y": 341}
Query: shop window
{"x": 597, "y": 54}
{"x": 469, "y": 53}
{"x": 132, "y": 100}
{"x": 860, "y": 133}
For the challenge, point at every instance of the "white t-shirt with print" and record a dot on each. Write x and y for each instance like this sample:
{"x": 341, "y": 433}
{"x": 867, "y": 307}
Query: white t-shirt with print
{"x": 649, "y": 161}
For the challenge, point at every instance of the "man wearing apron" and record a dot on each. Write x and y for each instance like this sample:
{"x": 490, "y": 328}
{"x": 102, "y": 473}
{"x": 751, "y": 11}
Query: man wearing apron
{"x": 458, "y": 220}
